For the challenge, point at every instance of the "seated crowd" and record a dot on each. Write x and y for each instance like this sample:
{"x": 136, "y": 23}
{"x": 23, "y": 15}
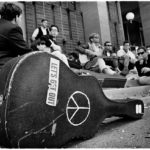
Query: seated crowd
{"x": 102, "y": 59}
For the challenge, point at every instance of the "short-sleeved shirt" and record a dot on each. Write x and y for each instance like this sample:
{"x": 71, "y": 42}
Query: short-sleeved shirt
{"x": 121, "y": 52}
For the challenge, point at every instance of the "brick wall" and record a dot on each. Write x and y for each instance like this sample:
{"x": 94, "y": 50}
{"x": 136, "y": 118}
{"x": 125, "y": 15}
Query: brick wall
{"x": 56, "y": 12}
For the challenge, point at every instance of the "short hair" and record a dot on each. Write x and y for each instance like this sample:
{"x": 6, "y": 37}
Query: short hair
{"x": 106, "y": 43}
{"x": 46, "y": 39}
{"x": 9, "y": 11}
{"x": 43, "y": 20}
{"x": 53, "y": 25}
{"x": 126, "y": 42}
{"x": 141, "y": 47}
{"x": 92, "y": 35}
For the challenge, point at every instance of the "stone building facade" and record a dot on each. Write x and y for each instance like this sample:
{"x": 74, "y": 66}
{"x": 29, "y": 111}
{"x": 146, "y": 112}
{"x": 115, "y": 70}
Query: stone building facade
{"x": 76, "y": 20}
{"x": 66, "y": 15}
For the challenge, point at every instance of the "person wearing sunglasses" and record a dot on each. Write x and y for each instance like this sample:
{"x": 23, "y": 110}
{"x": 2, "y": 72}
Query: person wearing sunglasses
{"x": 108, "y": 51}
{"x": 143, "y": 66}
{"x": 94, "y": 51}
{"x": 47, "y": 45}
{"x": 110, "y": 56}
{"x": 43, "y": 44}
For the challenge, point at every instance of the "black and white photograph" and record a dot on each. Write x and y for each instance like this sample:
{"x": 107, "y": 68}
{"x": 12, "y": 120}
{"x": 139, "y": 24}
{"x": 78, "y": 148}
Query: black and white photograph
{"x": 74, "y": 74}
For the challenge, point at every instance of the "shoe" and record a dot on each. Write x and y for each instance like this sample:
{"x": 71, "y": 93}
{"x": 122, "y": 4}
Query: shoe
{"x": 117, "y": 70}
{"x": 124, "y": 72}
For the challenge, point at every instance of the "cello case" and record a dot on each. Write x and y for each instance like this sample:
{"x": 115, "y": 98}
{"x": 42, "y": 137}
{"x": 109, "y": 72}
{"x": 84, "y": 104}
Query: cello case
{"x": 44, "y": 104}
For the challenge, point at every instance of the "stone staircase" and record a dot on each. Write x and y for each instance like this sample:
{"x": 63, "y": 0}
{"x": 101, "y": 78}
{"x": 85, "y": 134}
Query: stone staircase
{"x": 140, "y": 92}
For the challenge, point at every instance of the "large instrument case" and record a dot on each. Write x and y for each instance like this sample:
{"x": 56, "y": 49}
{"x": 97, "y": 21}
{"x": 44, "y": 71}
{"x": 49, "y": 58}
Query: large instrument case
{"x": 45, "y": 104}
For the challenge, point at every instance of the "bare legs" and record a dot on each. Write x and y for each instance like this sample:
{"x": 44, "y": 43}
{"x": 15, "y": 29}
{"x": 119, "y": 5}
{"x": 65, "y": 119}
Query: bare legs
{"x": 104, "y": 68}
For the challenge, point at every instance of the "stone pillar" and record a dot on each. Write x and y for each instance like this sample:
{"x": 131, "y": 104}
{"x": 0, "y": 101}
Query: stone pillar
{"x": 107, "y": 22}
{"x": 95, "y": 17}
{"x": 104, "y": 21}
{"x": 145, "y": 19}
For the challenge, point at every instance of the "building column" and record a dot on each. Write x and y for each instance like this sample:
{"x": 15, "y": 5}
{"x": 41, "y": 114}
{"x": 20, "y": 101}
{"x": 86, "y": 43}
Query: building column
{"x": 145, "y": 18}
{"x": 104, "y": 21}
{"x": 95, "y": 18}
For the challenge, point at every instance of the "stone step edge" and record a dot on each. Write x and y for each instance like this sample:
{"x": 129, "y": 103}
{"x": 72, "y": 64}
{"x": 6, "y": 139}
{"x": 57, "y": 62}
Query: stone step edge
{"x": 138, "y": 91}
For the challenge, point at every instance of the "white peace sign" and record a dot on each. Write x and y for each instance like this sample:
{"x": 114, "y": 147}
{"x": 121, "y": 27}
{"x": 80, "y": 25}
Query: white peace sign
{"x": 75, "y": 111}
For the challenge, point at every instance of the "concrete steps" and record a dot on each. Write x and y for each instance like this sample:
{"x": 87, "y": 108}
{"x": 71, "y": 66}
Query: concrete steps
{"x": 138, "y": 91}
{"x": 105, "y": 80}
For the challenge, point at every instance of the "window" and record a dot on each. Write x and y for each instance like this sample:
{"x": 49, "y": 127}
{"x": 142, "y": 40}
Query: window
{"x": 83, "y": 26}
{"x": 35, "y": 18}
{"x": 53, "y": 12}
{"x": 108, "y": 8}
{"x": 69, "y": 23}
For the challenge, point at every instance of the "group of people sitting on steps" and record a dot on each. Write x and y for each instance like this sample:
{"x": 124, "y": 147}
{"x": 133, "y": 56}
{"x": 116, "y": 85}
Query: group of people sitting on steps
{"x": 98, "y": 58}
{"x": 126, "y": 60}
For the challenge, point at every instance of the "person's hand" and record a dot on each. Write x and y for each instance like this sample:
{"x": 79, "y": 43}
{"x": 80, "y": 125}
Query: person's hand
{"x": 55, "y": 47}
{"x": 114, "y": 56}
{"x": 141, "y": 61}
{"x": 145, "y": 55}
{"x": 140, "y": 57}
{"x": 89, "y": 52}
{"x": 145, "y": 69}
{"x": 52, "y": 43}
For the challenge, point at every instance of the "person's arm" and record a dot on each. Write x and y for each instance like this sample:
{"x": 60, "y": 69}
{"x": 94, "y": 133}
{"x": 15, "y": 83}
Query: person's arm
{"x": 145, "y": 70}
{"x": 104, "y": 52}
{"x": 91, "y": 53}
{"x": 119, "y": 53}
{"x": 35, "y": 33}
{"x": 19, "y": 46}
{"x": 82, "y": 49}
{"x": 55, "y": 47}
{"x": 138, "y": 67}
{"x": 132, "y": 57}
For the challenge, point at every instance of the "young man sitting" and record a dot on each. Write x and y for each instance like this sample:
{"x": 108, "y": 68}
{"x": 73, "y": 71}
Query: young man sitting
{"x": 143, "y": 66}
{"x": 110, "y": 56}
{"x": 51, "y": 45}
{"x": 93, "y": 50}
{"x": 127, "y": 59}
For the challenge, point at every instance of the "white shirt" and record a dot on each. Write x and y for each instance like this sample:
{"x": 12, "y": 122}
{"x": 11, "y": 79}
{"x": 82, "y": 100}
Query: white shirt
{"x": 121, "y": 53}
{"x": 96, "y": 48}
